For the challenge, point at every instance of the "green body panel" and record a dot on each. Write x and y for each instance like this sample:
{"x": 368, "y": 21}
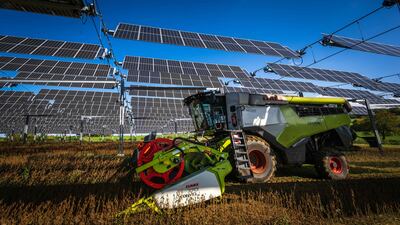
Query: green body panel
{"x": 301, "y": 127}
{"x": 221, "y": 170}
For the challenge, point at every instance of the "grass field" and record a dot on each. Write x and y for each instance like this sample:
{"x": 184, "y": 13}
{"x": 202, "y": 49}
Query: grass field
{"x": 68, "y": 183}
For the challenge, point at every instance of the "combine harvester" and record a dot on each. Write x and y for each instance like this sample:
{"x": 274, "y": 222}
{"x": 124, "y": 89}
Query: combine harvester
{"x": 248, "y": 135}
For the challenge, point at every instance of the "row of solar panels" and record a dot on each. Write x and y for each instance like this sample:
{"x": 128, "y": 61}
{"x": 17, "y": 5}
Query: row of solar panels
{"x": 193, "y": 74}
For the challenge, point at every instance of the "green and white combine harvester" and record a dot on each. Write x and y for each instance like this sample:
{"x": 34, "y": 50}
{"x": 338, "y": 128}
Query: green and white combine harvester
{"x": 248, "y": 136}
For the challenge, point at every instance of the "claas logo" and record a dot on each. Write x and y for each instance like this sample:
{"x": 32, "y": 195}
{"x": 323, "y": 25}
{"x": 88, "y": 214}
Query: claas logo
{"x": 192, "y": 185}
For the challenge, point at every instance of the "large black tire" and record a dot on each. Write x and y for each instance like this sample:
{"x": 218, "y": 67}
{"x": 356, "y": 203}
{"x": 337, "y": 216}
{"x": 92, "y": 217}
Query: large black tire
{"x": 262, "y": 159}
{"x": 331, "y": 165}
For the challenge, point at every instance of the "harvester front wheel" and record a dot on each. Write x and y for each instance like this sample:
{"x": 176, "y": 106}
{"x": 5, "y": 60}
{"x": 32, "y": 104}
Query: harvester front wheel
{"x": 262, "y": 159}
{"x": 331, "y": 165}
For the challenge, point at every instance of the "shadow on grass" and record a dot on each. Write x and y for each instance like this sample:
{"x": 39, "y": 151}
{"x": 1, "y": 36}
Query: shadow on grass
{"x": 305, "y": 171}
{"x": 58, "y": 193}
{"x": 385, "y": 164}
{"x": 353, "y": 196}
{"x": 363, "y": 170}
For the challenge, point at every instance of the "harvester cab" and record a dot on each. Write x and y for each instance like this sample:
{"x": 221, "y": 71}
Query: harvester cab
{"x": 250, "y": 135}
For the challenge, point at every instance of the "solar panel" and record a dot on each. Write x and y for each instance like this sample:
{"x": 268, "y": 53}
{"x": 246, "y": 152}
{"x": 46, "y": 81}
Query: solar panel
{"x": 68, "y": 8}
{"x": 157, "y": 102}
{"x": 359, "y": 111}
{"x": 356, "y": 94}
{"x": 54, "y": 67}
{"x": 173, "y": 78}
{"x": 78, "y": 96}
{"x": 33, "y": 46}
{"x": 191, "y": 39}
{"x": 279, "y": 85}
{"x": 183, "y": 67}
{"x": 360, "y": 45}
{"x": 251, "y": 90}
{"x": 66, "y": 103}
{"x": 329, "y": 75}
{"x": 85, "y": 80}
{"x": 163, "y": 93}
{"x": 386, "y": 86}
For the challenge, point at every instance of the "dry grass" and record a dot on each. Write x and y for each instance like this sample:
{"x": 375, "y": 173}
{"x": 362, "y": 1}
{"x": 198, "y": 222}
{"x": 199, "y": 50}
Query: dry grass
{"x": 70, "y": 184}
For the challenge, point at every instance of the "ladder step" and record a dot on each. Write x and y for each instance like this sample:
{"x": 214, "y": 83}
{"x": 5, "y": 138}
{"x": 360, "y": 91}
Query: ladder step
{"x": 240, "y": 145}
{"x": 242, "y": 165}
{"x": 241, "y": 152}
{"x": 242, "y": 160}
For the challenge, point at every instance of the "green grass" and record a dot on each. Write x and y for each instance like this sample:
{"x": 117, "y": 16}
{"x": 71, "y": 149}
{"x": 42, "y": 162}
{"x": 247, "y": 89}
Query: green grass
{"x": 389, "y": 140}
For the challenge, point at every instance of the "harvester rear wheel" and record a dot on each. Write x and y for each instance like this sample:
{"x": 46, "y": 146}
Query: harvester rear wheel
{"x": 262, "y": 159}
{"x": 331, "y": 165}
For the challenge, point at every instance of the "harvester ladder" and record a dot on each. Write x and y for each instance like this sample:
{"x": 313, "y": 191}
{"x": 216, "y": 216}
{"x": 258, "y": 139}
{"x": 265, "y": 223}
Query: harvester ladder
{"x": 241, "y": 157}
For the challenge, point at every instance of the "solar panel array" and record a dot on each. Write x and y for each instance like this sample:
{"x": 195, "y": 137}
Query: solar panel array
{"x": 82, "y": 81}
{"x": 361, "y": 45}
{"x": 67, "y": 8}
{"x": 173, "y": 78}
{"x": 65, "y": 108}
{"x": 60, "y": 125}
{"x": 159, "y": 114}
{"x": 280, "y": 85}
{"x": 252, "y": 90}
{"x": 64, "y": 102}
{"x": 359, "y": 111}
{"x": 135, "y": 63}
{"x": 153, "y": 109}
{"x": 163, "y": 93}
{"x": 34, "y": 46}
{"x": 163, "y": 126}
{"x": 192, "y": 39}
{"x": 356, "y": 94}
{"x": 54, "y": 67}
{"x": 330, "y": 75}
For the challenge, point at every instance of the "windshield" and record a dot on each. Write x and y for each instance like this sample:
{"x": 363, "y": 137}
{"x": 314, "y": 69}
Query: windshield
{"x": 206, "y": 116}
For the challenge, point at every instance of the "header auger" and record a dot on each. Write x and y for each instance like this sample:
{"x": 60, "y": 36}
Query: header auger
{"x": 248, "y": 135}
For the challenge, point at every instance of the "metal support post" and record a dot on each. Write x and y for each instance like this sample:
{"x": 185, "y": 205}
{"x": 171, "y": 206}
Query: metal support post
{"x": 35, "y": 133}
{"x": 81, "y": 134}
{"x": 176, "y": 127}
{"x": 371, "y": 116}
{"x": 25, "y": 135}
{"x": 70, "y": 133}
{"x": 121, "y": 119}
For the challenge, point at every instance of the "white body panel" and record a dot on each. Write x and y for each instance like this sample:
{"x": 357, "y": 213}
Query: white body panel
{"x": 261, "y": 116}
{"x": 199, "y": 188}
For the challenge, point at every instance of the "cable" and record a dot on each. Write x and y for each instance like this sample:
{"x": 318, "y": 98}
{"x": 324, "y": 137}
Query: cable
{"x": 391, "y": 75}
{"x": 338, "y": 30}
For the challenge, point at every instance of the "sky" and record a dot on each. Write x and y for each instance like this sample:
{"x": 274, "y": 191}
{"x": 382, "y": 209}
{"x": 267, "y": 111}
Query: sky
{"x": 291, "y": 23}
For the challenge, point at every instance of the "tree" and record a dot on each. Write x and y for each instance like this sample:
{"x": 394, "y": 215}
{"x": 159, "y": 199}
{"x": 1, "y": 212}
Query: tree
{"x": 387, "y": 122}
